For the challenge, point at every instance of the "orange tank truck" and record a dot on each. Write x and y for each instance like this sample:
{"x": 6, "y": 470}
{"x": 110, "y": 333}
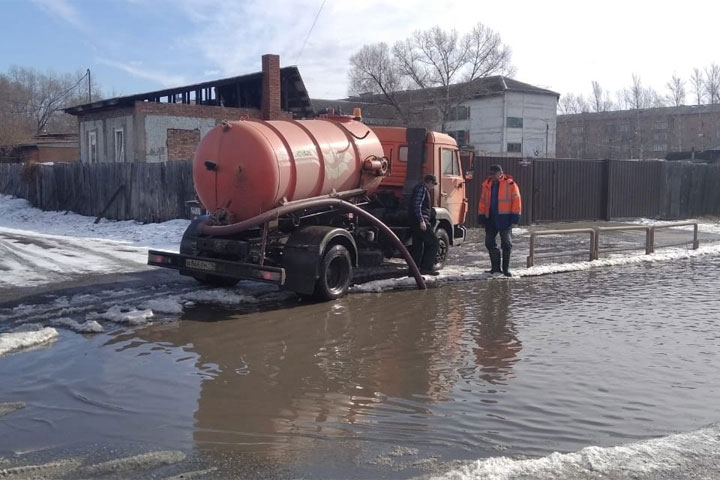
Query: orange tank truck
{"x": 300, "y": 203}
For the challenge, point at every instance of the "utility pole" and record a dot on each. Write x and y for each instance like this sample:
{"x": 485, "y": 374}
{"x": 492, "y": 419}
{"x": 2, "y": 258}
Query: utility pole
{"x": 89, "y": 87}
{"x": 547, "y": 130}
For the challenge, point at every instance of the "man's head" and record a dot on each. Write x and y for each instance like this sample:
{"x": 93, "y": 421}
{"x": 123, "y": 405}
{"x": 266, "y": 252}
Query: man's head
{"x": 430, "y": 181}
{"x": 495, "y": 172}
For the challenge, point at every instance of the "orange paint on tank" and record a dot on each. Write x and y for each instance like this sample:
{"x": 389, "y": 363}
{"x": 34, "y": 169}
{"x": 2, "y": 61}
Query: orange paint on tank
{"x": 250, "y": 166}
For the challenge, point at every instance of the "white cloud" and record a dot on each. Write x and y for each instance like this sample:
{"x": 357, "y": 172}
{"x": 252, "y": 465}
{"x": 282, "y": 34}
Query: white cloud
{"x": 62, "y": 9}
{"x": 136, "y": 69}
{"x": 554, "y": 44}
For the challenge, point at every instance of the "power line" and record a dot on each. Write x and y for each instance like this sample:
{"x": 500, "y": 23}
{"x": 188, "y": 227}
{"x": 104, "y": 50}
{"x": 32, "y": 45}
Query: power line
{"x": 311, "y": 29}
{"x": 16, "y": 102}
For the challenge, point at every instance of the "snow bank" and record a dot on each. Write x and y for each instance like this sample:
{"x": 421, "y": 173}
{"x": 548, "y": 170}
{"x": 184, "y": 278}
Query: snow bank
{"x": 459, "y": 273}
{"x": 17, "y": 213}
{"x": 20, "y": 340}
{"x": 656, "y": 458}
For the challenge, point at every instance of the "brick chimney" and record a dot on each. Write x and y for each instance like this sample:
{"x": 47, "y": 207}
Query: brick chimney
{"x": 270, "y": 104}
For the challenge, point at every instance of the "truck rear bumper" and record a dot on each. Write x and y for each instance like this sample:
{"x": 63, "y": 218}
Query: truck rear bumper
{"x": 189, "y": 264}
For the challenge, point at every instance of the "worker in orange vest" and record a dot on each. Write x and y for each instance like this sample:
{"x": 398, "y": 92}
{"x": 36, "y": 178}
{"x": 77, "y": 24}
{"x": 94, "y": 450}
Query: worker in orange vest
{"x": 498, "y": 211}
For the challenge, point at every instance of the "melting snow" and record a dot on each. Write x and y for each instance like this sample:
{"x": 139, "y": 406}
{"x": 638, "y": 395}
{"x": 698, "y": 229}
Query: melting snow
{"x": 655, "y": 458}
{"x": 20, "y": 340}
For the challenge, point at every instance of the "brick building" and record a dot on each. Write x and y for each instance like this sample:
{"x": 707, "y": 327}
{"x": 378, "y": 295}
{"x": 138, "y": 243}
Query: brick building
{"x": 639, "y": 134}
{"x": 167, "y": 125}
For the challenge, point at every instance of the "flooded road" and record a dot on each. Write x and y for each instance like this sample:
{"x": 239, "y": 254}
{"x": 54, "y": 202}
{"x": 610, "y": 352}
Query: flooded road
{"x": 390, "y": 385}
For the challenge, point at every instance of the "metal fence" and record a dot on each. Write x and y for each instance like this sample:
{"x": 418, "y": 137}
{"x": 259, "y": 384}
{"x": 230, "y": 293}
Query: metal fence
{"x": 556, "y": 190}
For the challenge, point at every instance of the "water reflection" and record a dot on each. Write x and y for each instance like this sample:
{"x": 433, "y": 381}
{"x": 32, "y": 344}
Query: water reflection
{"x": 284, "y": 378}
{"x": 497, "y": 344}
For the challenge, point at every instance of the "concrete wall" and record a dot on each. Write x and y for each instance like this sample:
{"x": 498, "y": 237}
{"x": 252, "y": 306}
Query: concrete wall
{"x": 105, "y": 127}
{"x": 539, "y": 118}
{"x": 490, "y": 135}
{"x": 156, "y": 133}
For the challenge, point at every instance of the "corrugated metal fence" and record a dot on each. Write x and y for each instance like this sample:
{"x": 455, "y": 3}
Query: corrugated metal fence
{"x": 552, "y": 189}
{"x": 569, "y": 189}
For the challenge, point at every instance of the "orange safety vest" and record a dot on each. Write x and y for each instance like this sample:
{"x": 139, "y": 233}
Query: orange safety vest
{"x": 509, "y": 201}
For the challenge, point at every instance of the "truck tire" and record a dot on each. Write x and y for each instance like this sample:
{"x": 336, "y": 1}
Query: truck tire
{"x": 335, "y": 274}
{"x": 443, "y": 248}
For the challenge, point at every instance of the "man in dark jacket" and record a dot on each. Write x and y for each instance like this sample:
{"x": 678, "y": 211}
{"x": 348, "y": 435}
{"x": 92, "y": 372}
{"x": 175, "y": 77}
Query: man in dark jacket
{"x": 499, "y": 210}
{"x": 424, "y": 242}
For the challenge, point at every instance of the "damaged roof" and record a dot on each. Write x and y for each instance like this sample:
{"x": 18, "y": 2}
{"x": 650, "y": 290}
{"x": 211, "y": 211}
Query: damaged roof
{"x": 243, "y": 91}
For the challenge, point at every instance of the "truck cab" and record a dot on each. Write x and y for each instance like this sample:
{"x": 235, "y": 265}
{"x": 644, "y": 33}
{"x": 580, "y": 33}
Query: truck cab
{"x": 414, "y": 153}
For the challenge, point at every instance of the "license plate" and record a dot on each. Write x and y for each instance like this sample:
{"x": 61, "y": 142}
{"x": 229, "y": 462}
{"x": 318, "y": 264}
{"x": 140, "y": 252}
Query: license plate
{"x": 196, "y": 211}
{"x": 200, "y": 265}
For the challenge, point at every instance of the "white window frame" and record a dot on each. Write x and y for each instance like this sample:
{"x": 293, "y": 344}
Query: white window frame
{"x": 119, "y": 155}
{"x": 92, "y": 146}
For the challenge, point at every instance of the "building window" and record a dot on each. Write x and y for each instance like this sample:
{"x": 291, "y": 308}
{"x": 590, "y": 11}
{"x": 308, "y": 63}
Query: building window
{"x": 119, "y": 145}
{"x": 662, "y": 136}
{"x": 449, "y": 163}
{"x": 460, "y": 112}
{"x": 661, "y": 125}
{"x": 514, "y": 122}
{"x": 514, "y": 147}
{"x": 92, "y": 147}
{"x": 462, "y": 137}
{"x": 623, "y": 127}
{"x": 577, "y": 129}
{"x": 659, "y": 147}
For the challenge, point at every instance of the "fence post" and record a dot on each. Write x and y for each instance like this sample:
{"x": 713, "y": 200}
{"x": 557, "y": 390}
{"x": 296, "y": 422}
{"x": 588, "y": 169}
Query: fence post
{"x": 606, "y": 210}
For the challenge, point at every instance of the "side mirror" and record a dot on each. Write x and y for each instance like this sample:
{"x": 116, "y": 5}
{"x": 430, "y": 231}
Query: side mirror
{"x": 471, "y": 166}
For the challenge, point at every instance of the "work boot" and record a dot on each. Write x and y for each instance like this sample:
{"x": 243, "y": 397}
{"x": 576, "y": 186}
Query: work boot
{"x": 494, "y": 262}
{"x": 506, "y": 263}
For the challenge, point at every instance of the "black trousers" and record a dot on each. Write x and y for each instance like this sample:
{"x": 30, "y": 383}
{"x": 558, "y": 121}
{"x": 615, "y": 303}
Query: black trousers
{"x": 491, "y": 232}
{"x": 424, "y": 246}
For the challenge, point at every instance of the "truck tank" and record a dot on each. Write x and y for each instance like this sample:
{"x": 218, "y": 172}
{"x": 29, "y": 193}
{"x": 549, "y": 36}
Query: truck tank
{"x": 248, "y": 167}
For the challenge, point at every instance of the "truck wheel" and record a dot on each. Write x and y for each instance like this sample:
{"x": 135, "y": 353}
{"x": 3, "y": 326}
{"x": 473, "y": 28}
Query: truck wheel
{"x": 443, "y": 248}
{"x": 335, "y": 273}
{"x": 215, "y": 280}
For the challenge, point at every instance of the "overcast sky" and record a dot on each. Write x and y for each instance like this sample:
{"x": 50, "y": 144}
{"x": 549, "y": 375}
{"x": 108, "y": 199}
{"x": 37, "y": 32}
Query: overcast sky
{"x": 134, "y": 46}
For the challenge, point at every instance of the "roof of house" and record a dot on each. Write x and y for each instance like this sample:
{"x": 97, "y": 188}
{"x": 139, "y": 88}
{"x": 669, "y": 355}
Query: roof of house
{"x": 52, "y": 140}
{"x": 242, "y": 91}
{"x": 480, "y": 87}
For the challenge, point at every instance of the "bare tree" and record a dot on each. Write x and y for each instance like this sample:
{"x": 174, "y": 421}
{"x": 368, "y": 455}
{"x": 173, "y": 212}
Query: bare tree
{"x": 698, "y": 85}
{"x": 442, "y": 63}
{"x": 635, "y": 95}
{"x": 676, "y": 86}
{"x": 36, "y": 99}
{"x": 600, "y": 99}
{"x": 374, "y": 71}
{"x": 571, "y": 104}
{"x": 712, "y": 83}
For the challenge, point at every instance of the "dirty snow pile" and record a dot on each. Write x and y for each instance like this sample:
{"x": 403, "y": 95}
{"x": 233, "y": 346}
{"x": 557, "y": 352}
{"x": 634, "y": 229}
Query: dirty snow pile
{"x": 26, "y": 339}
